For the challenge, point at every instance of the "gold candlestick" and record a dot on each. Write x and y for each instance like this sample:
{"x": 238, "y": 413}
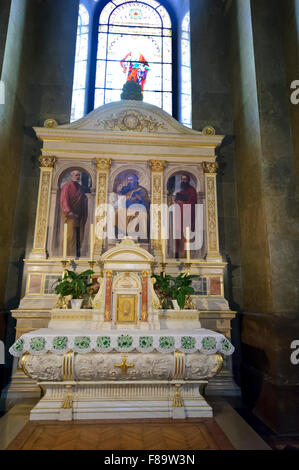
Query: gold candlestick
{"x": 64, "y": 255}
{"x": 187, "y": 266}
{"x": 64, "y": 263}
{"x": 163, "y": 267}
{"x": 91, "y": 263}
{"x": 91, "y": 242}
{"x": 188, "y": 243}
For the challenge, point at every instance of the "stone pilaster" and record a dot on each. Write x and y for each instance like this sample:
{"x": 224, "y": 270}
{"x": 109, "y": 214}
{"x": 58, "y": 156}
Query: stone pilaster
{"x": 157, "y": 168}
{"x": 144, "y": 297}
{"x": 212, "y": 237}
{"x": 42, "y": 215}
{"x": 103, "y": 167}
{"x": 107, "y": 315}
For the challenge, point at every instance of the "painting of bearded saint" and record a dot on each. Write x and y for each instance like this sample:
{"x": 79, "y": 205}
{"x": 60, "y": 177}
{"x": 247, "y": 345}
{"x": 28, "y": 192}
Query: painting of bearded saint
{"x": 74, "y": 211}
{"x": 186, "y": 199}
{"x": 131, "y": 207}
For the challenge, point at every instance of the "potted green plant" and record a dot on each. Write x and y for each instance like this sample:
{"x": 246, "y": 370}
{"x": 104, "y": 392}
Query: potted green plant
{"x": 162, "y": 288}
{"x": 172, "y": 290}
{"x": 75, "y": 285}
{"x": 181, "y": 288}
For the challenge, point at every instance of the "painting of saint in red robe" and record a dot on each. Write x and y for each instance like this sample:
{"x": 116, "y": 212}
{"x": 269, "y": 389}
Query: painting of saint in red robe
{"x": 186, "y": 199}
{"x": 74, "y": 211}
{"x": 135, "y": 69}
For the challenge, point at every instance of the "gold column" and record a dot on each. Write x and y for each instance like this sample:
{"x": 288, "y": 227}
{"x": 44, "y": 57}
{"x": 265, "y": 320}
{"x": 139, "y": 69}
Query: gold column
{"x": 157, "y": 168}
{"x": 103, "y": 166}
{"x": 47, "y": 164}
{"x": 212, "y": 238}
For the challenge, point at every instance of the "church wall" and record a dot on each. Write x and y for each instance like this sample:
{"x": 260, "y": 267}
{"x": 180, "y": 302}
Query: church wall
{"x": 211, "y": 103}
{"x": 47, "y": 93}
{"x": 268, "y": 220}
{"x": 4, "y": 19}
{"x": 289, "y": 11}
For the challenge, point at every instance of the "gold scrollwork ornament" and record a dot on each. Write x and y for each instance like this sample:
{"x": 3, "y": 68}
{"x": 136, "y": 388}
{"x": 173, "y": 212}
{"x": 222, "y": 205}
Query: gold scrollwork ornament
{"x": 47, "y": 161}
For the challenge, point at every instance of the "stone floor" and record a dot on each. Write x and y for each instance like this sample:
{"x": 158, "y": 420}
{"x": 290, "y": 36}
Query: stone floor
{"x": 237, "y": 431}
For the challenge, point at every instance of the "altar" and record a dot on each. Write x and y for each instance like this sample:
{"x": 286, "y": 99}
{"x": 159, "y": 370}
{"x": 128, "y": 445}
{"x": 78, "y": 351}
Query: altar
{"x": 113, "y": 187}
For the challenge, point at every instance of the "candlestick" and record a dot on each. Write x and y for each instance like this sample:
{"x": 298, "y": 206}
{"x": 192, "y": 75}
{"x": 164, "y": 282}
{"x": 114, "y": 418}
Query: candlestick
{"x": 91, "y": 264}
{"x": 64, "y": 263}
{"x": 188, "y": 243}
{"x": 163, "y": 246}
{"x": 64, "y": 256}
{"x": 91, "y": 242}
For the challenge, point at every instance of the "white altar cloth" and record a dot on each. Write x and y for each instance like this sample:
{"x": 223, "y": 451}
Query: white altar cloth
{"x": 57, "y": 341}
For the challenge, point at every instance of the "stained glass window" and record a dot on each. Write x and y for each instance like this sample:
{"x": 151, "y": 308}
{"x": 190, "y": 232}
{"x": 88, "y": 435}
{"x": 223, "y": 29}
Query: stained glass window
{"x": 186, "y": 102}
{"x": 134, "y": 42}
{"x": 79, "y": 84}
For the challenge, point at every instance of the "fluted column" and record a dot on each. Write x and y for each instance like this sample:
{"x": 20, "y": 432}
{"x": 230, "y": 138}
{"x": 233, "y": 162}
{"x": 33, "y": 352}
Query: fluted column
{"x": 212, "y": 235}
{"x": 144, "y": 296}
{"x": 103, "y": 167}
{"x": 42, "y": 215}
{"x": 107, "y": 315}
{"x": 157, "y": 168}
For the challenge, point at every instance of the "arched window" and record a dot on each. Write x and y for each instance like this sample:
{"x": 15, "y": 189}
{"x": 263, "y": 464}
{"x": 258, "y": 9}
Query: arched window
{"x": 80, "y": 72}
{"x": 186, "y": 101}
{"x": 119, "y": 40}
{"x": 134, "y": 42}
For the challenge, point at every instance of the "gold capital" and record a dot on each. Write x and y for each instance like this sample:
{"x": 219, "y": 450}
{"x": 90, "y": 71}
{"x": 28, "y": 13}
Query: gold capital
{"x": 47, "y": 161}
{"x": 103, "y": 164}
{"x": 210, "y": 167}
{"x": 144, "y": 273}
{"x": 124, "y": 366}
{"x": 157, "y": 165}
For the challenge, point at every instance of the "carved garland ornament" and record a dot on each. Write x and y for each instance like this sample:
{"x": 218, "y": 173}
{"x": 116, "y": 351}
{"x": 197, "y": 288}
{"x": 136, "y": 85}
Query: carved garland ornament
{"x": 42, "y": 217}
{"x": 103, "y": 166}
{"x": 212, "y": 215}
{"x": 157, "y": 201}
{"x": 131, "y": 121}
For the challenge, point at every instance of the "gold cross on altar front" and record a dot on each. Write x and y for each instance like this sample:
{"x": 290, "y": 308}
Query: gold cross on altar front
{"x": 124, "y": 366}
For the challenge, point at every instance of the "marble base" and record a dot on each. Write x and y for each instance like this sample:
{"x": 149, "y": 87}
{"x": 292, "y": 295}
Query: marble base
{"x": 120, "y": 401}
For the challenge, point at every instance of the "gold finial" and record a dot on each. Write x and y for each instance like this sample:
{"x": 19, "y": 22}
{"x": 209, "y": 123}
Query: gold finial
{"x": 124, "y": 366}
{"x": 50, "y": 123}
{"x": 177, "y": 399}
{"x": 68, "y": 400}
{"x": 209, "y": 130}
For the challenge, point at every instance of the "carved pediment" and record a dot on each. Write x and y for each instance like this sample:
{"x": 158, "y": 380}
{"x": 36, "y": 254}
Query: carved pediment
{"x": 130, "y": 116}
{"x": 127, "y": 251}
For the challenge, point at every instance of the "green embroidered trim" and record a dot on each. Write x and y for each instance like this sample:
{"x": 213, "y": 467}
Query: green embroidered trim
{"x": 226, "y": 345}
{"x": 209, "y": 343}
{"x": 60, "y": 342}
{"x": 19, "y": 345}
{"x": 37, "y": 344}
{"x": 82, "y": 342}
{"x": 187, "y": 342}
{"x": 124, "y": 341}
{"x": 146, "y": 342}
{"x": 103, "y": 342}
{"x": 166, "y": 342}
